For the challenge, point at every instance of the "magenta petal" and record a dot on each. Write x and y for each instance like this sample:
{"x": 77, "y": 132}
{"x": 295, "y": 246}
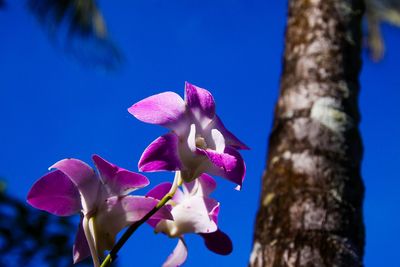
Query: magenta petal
{"x": 78, "y": 171}
{"x": 199, "y": 99}
{"x": 214, "y": 213}
{"x": 126, "y": 181}
{"x": 135, "y": 207}
{"x": 165, "y": 109}
{"x": 229, "y": 165}
{"x": 230, "y": 138}
{"x": 81, "y": 248}
{"x": 207, "y": 184}
{"x": 161, "y": 155}
{"x": 223, "y": 161}
{"x": 85, "y": 179}
{"x": 178, "y": 256}
{"x": 55, "y": 193}
{"x": 118, "y": 181}
{"x": 106, "y": 169}
{"x": 159, "y": 191}
{"x": 218, "y": 242}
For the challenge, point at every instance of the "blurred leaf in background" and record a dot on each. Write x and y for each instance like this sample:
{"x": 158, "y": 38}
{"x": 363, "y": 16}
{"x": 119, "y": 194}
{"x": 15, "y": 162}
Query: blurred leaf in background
{"x": 378, "y": 11}
{"x": 29, "y": 237}
{"x": 80, "y": 27}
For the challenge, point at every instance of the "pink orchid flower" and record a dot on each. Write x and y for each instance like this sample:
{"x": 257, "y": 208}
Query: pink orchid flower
{"x": 102, "y": 199}
{"x": 198, "y": 142}
{"x": 193, "y": 212}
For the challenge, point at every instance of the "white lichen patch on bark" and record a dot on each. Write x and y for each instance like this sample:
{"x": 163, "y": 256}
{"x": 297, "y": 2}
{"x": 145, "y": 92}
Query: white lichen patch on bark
{"x": 296, "y": 99}
{"x": 289, "y": 258}
{"x": 286, "y": 155}
{"x": 304, "y": 162}
{"x": 327, "y": 111}
{"x": 310, "y": 257}
{"x": 256, "y": 257}
{"x": 313, "y": 217}
{"x": 304, "y": 66}
{"x": 318, "y": 46}
{"x": 300, "y": 128}
{"x": 315, "y": 2}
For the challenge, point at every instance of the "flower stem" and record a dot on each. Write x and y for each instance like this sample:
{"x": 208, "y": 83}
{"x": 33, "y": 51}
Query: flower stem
{"x": 133, "y": 227}
{"x": 90, "y": 238}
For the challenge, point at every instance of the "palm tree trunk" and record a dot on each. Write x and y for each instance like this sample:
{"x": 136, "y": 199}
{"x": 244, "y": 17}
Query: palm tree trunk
{"x": 310, "y": 210}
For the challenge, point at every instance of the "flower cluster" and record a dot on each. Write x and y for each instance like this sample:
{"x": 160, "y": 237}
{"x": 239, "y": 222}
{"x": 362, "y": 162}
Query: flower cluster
{"x": 193, "y": 212}
{"x": 101, "y": 198}
{"x": 198, "y": 142}
{"x": 197, "y": 145}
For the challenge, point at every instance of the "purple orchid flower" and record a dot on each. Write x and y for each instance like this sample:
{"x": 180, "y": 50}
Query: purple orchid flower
{"x": 199, "y": 142}
{"x": 101, "y": 198}
{"x": 193, "y": 212}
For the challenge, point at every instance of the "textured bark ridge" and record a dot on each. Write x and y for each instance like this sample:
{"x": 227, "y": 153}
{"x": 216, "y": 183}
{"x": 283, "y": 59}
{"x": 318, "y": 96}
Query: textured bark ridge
{"x": 311, "y": 203}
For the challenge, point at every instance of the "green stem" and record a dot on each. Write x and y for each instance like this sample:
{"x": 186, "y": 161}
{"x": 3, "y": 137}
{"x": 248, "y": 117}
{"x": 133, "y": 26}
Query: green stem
{"x": 89, "y": 237}
{"x": 114, "y": 251}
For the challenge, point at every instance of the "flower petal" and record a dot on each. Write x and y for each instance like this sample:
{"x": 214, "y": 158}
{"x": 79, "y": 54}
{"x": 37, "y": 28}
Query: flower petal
{"x": 218, "y": 140}
{"x": 81, "y": 247}
{"x": 218, "y": 242}
{"x": 118, "y": 181}
{"x": 222, "y": 161}
{"x": 190, "y": 216}
{"x": 230, "y": 138}
{"x": 84, "y": 177}
{"x": 135, "y": 207}
{"x": 178, "y": 256}
{"x": 166, "y": 109}
{"x": 119, "y": 212}
{"x": 161, "y": 155}
{"x": 201, "y": 102}
{"x": 229, "y": 165}
{"x": 55, "y": 193}
{"x": 214, "y": 213}
{"x": 159, "y": 191}
{"x": 191, "y": 139}
{"x": 78, "y": 171}
{"x": 206, "y": 185}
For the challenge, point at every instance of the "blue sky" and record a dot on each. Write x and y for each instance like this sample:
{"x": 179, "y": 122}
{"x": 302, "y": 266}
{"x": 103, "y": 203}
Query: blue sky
{"x": 51, "y": 107}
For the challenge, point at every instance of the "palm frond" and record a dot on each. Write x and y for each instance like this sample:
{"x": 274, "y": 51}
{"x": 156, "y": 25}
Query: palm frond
{"x": 29, "y": 236}
{"x": 80, "y": 26}
{"x": 378, "y": 11}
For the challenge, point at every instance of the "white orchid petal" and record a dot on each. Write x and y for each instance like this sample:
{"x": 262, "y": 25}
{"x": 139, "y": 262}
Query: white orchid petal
{"x": 219, "y": 140}
{"x": 191, "y": 216}
{"x": 118, "y": 212}
{"x": 191, "y": 140}
{"x": 178, "y": 256}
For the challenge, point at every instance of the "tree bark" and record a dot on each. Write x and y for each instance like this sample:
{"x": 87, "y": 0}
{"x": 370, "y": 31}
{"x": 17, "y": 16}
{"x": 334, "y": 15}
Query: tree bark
{"x": 310, "y": 210}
